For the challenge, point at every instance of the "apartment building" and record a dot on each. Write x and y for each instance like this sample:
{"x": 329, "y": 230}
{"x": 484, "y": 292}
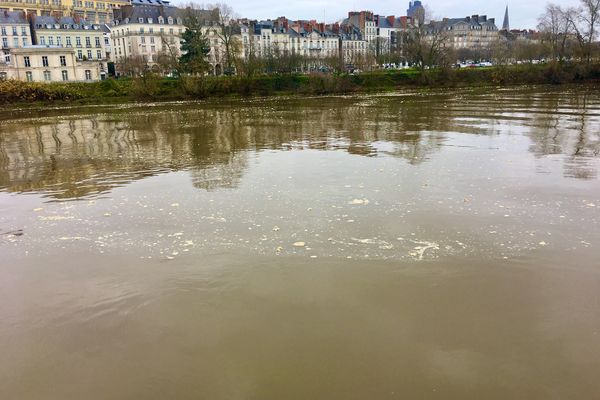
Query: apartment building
{"x": 95, "y": 11}
{"x": 305, "y": 38}
{"x": 14, "y": 30}
{"x": 353, "y": 46}
{"x": 474, "y": 32}
{"x": 86, "y": 39}
{"x": 49, "y": 64}
{"x": 146, "y": 28}
{"x": 383, "y": 34}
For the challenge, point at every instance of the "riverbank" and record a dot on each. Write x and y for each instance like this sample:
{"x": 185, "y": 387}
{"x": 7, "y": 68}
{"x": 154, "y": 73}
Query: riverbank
{"x": 189, "y": 88}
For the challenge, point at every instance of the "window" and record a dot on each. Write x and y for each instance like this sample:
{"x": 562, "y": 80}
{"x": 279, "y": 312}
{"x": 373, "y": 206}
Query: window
{"x": 15, "y": 42}
{"x": 141, "y": 20}
{"x": 99, "y": 54}
{"x": 3, "y": 31}
{"x": 79, "y": 54}
{"x": 47, "y": 76}
{"x": 97, "y": 41}
{"x": 25, "y": 42}
{"x": 78, "y": 41}
{"x": 42, "y": 40}
{"x": 69, "y": 41}
{"x": 89, "y": 55}
{"x": 153, "y": 49}
{"x": 151, "y": 30}
{"x": 59, "y": 41}
{"x": 88, "y": 42}
{"x": 44, "y": 61}
{"x": 88, "y": 75}
{"x": 63, "y": 61}
{"x": 4, "y": 42}
{"x": 51, "y": 40}
{"x": 65, "y": 75}
{"x": 143, "y": 39}
{"x": 29, "y": 76}
{"x": 152, "y": 39}
{"x": 27, "y": 61}
{"x": 142, "y": 31}
{"x": 14, "y": 29}
{"x": 23, "y": 31}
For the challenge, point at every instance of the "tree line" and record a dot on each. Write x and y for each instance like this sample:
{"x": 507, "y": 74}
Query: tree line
{"x": 564, "y": 34}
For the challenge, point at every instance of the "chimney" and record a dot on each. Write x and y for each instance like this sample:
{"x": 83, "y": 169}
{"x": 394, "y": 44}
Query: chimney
{"x": 391, "y": 19}
{"x": 475, "y": 18}
{"x": 483, "y": 18}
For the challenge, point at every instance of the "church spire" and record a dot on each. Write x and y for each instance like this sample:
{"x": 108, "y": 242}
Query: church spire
{"x": 506, "y": 24}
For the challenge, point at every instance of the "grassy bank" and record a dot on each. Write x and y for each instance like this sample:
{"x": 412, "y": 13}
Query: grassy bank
{"x": 15, "y": 92}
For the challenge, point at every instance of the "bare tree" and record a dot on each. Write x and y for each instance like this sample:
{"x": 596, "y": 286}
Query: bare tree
{"x": 589, "y": 17}
{"x": 428, "y": 45}
{"x": 228, "y": 33}
{"x": 557, "y": 26}
{"x": 144, "y": 78}
{"x": 134, "y": 66}
{"x": 250, "y": 64}
{"x": 168, "y": 57}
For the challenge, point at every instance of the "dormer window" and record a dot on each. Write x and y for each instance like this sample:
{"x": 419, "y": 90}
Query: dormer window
{"x": 161, "y": 20}
{"x": 170, "y": 20}
{"x": 179, "y": 21}
{"x": 141, "y": 20}
{"x": 150, "y": 20}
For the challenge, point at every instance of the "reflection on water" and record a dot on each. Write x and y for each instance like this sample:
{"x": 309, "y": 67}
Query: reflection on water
{"x": 425, "y": 245}
{"x": 69, "y": 157}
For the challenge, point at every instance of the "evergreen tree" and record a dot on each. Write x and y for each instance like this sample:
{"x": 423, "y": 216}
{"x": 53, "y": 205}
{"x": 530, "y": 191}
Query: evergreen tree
{"x": 194, "y": 46}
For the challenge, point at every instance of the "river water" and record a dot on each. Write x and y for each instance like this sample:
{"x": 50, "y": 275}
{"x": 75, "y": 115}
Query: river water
{"x": 440, "y": 245}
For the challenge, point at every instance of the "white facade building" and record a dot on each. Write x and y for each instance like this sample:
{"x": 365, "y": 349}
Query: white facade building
{"x": 87, "y": 40}
{"x": 147, "y": 29}
{"x": 49, "y": 64}
{"x": 14, "y": 33}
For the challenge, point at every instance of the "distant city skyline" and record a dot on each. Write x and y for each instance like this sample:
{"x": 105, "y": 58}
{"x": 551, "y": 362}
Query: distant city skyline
{"x": 522, "y": 15}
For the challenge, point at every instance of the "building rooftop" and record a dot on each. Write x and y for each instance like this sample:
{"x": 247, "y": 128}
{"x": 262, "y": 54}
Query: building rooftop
{"x": 152, "y": 3}
{"x": 61, "y": 23}
{"x": 13, "y": 18}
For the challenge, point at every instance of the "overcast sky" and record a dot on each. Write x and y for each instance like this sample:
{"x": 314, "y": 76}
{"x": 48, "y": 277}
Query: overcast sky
{"x": 523, "y": 14}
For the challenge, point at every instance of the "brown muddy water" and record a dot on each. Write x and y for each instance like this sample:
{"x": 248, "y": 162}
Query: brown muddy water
{"x": 398, "y": 246}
